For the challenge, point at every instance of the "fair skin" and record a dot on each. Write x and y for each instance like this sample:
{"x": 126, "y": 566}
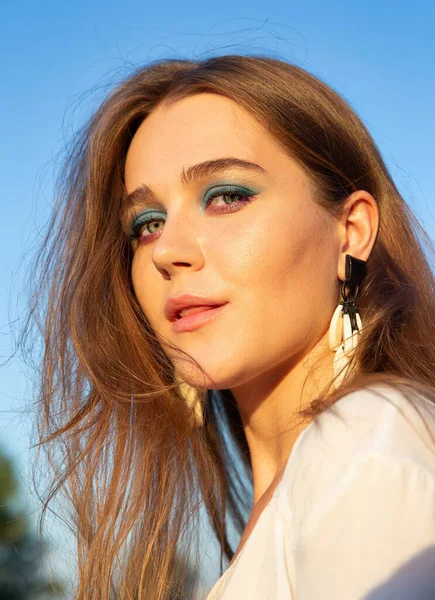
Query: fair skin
{"x": 278, "y": 261}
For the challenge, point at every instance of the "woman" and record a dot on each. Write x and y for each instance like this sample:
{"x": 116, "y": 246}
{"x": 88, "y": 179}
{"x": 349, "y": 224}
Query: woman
{"x": 239, "y": 303}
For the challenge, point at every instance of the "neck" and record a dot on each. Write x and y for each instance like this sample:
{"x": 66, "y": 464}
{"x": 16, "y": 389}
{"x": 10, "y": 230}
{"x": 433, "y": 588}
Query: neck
{"x": 269, "y": 406}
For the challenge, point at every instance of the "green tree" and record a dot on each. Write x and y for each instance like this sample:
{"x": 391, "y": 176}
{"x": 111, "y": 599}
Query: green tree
{"x": 21, "y": 552}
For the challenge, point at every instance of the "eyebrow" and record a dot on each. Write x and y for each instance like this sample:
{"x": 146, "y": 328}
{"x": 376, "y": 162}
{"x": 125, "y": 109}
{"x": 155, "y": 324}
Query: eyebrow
{"x": 192, "y": 174}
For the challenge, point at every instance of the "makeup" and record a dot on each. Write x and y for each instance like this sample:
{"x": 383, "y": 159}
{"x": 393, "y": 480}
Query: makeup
{"x": 234, "y": 197}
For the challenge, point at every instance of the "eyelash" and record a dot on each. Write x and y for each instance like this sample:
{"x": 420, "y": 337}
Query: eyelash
{"x": 247, "y": 196}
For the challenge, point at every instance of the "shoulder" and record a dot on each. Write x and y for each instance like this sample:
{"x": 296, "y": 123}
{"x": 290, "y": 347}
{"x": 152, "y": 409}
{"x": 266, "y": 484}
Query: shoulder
{"x": 377, "y": 423}
{"x": 356, "y": 471}
{"x": 375, "y": 420}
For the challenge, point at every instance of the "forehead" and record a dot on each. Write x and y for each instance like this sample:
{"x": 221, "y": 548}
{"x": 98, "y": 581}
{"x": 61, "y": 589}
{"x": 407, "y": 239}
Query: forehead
{"x": 192, "y": 130}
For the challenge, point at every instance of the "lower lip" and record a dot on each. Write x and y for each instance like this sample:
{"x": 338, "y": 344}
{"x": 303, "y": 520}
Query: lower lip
{"x": 191, "y": 322}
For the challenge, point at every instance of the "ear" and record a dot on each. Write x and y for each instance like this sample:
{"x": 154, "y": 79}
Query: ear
{"x": 358, "y": 229}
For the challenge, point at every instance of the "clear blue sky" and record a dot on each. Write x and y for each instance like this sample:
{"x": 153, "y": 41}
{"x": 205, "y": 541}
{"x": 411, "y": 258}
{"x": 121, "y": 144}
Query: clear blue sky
{"x": 379, "y": 55}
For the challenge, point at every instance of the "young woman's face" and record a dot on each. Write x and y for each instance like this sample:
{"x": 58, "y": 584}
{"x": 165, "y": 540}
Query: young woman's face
{"x": 262, "y": 244}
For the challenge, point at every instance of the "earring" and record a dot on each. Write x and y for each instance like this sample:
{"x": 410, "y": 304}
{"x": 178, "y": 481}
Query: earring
{"x": 191, "y": 396}
{"x": 346, "y": 324}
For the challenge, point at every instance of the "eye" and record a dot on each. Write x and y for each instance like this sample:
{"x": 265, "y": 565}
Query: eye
{"x": 146, "y": 225}
{"x": 236, "y": 198}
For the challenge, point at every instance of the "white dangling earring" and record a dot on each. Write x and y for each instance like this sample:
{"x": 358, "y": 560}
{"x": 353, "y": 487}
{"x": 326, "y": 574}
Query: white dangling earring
{"x": 346, "y": 324}
{"x": 191, "y": 396}
{"x": 342, "y": 340}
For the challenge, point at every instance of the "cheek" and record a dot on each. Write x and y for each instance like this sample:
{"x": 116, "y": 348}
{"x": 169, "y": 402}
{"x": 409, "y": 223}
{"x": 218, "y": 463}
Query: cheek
{"x": 144, "y": 284}
{"x": 283, "y": 267}
{"x": 269, "y": 252}
{"x": 243, "y": 251}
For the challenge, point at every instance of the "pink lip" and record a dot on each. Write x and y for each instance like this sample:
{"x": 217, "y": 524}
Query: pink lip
{"x": 191, "y": 322}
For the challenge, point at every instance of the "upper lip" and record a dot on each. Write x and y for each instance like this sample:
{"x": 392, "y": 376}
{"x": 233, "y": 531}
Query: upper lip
{"x": 176, "y": 304}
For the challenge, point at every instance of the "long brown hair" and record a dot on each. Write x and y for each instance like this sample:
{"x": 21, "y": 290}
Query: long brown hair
{"x": 119, "y": 442}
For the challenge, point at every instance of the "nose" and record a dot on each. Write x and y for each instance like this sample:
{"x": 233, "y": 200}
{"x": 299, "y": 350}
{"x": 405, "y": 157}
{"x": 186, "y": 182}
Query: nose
{"x": 179, "y": 246}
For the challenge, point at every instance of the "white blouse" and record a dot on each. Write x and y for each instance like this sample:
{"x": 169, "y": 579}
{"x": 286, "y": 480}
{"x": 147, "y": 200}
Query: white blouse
{"x": 353, "y": 516}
